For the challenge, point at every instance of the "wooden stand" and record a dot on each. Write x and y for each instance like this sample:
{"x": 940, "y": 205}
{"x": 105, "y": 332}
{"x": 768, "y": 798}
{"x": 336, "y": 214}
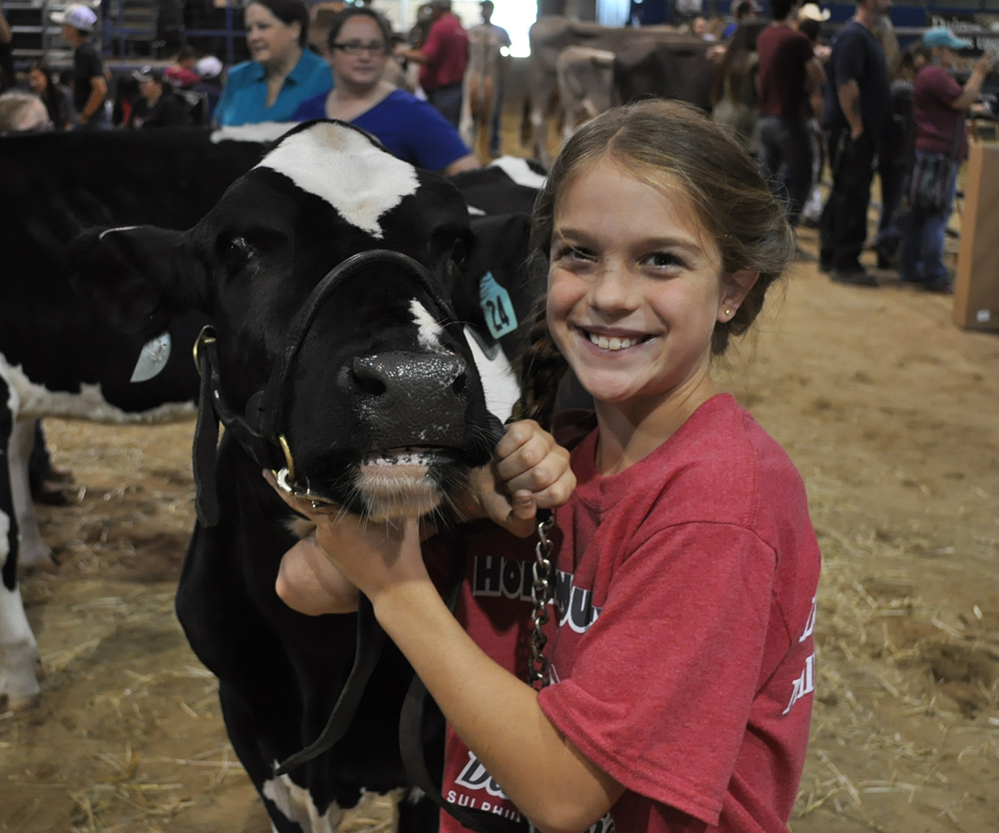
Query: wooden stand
{"x": 976, "y": 288}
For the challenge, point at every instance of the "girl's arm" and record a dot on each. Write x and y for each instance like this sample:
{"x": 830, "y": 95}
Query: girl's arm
{"x": 494, "y": 713}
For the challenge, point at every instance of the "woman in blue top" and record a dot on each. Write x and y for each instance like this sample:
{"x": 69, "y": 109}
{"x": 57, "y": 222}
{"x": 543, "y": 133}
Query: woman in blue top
{"x": 283, "y": 72}
{"x": 359, "y": 44}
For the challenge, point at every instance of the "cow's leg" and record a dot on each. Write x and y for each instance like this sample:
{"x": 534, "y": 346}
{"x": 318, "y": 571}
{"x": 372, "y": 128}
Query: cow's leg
{"x": 18, "y": 649}
{"x": 466, "y": 123}
{"x": 539, "y": 130}
{"x": 542, "y": 89}
{"x": 418, "y": 814}
{"x": 34, "y": 553}
{"x": 291, "y": 807}
{"x": 569, "y": 118}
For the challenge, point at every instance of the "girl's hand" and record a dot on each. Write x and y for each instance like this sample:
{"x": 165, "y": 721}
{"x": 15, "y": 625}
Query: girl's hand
{"x": 371, "y": 557}
{"x": 530, "y": 471}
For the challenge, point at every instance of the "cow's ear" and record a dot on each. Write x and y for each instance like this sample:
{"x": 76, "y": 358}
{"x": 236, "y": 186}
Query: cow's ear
{"x": 138, "y": 277}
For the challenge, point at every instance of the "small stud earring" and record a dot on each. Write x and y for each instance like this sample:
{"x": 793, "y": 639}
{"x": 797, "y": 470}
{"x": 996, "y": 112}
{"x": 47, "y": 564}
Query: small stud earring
{"x": 728, "y": 312}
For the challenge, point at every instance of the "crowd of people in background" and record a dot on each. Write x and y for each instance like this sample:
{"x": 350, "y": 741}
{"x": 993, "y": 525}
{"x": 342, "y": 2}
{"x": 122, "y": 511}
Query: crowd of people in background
{"x": 859, "y": 105}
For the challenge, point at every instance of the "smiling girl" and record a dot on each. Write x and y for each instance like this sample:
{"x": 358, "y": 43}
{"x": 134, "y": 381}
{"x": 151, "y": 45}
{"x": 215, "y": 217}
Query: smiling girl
{"x": 682, "y": 667}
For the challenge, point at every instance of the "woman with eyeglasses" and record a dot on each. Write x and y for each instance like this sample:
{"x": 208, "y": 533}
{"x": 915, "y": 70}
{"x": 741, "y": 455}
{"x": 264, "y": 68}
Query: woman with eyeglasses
{"x": 283, "y": 71}
{"x": 359, "y": 47}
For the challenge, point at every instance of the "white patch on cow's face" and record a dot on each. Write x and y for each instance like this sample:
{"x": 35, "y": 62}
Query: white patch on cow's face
{"x": 297, "y": 805}
{"x": 341, "y": 165}
{"x": 429, "y": 335}
{"x": 108, "y": 231}
{"x": 153, "y": 358}
{"x": 37, "y": 401}
{"x": 499, "y": 382}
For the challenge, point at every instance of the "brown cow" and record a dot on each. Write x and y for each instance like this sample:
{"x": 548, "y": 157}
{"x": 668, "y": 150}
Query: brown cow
{"x": 585, "y": 84}
{"x": 479, "y": 88}
{"x": 553, "y": 33}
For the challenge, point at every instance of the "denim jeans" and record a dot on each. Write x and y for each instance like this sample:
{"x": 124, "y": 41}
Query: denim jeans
{"x": 894, "y": 186}
{"x": 786, "y": 158}
{"x": 923, "y": 236}
{"x": 447, "y": 101}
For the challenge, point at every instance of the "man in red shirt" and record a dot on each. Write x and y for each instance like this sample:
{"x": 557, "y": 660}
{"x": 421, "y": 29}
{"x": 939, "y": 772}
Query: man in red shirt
{"x": 788, "y": 69}
{"x": 443, "y": 57}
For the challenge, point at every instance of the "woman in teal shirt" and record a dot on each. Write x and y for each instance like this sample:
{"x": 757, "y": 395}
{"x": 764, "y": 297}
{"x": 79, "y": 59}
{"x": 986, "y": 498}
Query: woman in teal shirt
{"x": 283, "y": 72}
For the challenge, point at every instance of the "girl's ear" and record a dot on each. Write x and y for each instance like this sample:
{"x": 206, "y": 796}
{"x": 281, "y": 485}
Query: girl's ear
{"x": 734, "y": 291}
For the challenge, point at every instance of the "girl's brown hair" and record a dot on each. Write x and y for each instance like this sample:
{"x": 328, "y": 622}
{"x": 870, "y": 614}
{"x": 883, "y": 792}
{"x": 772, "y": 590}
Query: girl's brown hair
{"x": 666, "y": 144}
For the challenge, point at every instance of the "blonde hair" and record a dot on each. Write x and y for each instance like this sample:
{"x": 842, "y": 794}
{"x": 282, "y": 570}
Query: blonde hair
{"x": 666, "y": 144}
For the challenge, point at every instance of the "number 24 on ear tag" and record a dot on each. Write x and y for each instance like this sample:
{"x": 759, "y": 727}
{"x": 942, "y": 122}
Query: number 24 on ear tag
{"x": 496, "y": 307}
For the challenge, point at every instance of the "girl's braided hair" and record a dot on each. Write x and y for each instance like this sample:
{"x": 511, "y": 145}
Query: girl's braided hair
{"x": 667, "y": 145}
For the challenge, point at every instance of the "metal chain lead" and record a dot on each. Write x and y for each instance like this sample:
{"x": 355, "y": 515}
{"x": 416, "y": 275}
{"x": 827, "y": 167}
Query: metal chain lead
{"x": 542, "y": 593}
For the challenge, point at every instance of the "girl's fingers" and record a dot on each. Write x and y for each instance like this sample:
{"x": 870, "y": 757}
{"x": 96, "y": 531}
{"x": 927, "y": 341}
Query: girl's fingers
{"x": 515, "y": 435}
{"x": 557, "y": 494}
{"x": 523, "y": 457}
{"x": 540, "y": 453}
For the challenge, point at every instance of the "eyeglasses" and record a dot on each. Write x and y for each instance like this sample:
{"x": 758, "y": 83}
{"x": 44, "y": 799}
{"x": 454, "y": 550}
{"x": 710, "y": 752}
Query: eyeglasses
{"x": 355, "y": 47}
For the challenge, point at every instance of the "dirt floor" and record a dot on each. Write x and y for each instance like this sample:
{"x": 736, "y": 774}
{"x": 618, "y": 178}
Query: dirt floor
{"x": 890, "y": 413}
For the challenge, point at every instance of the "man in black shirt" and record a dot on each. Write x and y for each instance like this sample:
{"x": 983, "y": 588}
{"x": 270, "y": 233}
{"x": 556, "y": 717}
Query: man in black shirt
{"x": 856, "y": 117}
{"x": 158, "y": 106}
{"x": 90, "y": 85}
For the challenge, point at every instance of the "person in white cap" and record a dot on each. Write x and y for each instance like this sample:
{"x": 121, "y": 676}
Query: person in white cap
{"x": 210, "y": 69}
{"x": 939, "y": 103}
{"x": 811, "y": 11}
{"x": 90, "y": 85}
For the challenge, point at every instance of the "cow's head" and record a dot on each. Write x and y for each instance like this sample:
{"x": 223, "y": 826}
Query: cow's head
{"x": 336, "y": 358}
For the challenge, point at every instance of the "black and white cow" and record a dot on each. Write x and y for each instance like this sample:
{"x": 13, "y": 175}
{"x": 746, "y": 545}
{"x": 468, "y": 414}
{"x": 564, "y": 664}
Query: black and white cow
{"x": 339, "y": 362}
{"x": 57, "y": 358}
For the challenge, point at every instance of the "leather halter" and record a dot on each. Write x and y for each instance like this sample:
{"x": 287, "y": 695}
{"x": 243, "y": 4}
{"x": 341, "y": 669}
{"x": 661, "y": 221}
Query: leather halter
{"x": 260, "y": 430}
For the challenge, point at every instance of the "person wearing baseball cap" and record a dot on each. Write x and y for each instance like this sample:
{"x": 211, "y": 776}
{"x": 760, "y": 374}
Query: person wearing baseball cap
{"x": 157, "y": 106}
{"x": 943, "y": 38}
{"x": 742, "y": 12}
{"x": 939, "y": 103}
{"x": 90, "y": 85}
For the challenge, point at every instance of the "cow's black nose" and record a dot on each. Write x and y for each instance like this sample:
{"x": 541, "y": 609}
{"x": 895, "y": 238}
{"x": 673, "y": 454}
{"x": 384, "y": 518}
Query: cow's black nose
{"x": 412, "y": 398}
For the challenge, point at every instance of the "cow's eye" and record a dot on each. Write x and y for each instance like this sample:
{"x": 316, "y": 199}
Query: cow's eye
{"x": 236, "y": 254}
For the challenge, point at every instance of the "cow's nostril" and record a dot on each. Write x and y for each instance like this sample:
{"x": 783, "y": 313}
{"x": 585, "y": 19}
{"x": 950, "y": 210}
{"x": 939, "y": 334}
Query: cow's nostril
{"x": 369, "y": 384}
{"x": 458, "y": 386}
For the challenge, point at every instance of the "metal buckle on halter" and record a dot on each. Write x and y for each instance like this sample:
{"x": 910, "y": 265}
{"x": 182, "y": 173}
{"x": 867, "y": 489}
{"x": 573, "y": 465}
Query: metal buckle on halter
{"x": 206, "y": 336}
{"x": 289, "y": 487}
